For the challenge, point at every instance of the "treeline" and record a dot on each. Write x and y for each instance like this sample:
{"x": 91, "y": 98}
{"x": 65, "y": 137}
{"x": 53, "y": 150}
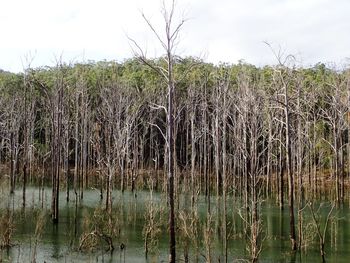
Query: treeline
{"x": 238, "y": 128}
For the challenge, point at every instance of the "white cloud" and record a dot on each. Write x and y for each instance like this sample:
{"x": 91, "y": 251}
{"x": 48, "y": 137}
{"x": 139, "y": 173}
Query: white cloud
{"x": 226, "y": 30}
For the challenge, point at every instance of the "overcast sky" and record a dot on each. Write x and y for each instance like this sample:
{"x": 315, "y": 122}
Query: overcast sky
{"x": 40, "y": 31}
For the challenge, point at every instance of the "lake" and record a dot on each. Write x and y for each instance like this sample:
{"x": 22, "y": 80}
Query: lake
{"x": 60, "y": 243}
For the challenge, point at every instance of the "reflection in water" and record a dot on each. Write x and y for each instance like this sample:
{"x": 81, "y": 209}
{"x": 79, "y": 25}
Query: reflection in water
{"x": 59, "y": 243}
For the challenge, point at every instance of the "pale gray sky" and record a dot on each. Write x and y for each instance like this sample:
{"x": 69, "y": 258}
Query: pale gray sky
{"x": 220, "y": 30}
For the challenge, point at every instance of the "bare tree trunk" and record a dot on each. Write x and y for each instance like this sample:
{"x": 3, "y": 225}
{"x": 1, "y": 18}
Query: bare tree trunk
{"x": 12, "y": 169}
{"x": 224, "y": 179}
{"x": 289, "y": 172}
{"x": 170, "y": 139}
{"x": 193, "y": 157}
{"x": 336, "y": 162}
{"x": 269, "y": 154}
{"x": 281, "y": 173}
{"x": 56, "y": 150}
{"x": 76, "y": 148}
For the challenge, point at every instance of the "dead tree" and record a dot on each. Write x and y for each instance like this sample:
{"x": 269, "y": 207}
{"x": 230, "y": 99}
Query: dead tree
{"x": 169, "y": 43}
{"x": 283, "y": 81}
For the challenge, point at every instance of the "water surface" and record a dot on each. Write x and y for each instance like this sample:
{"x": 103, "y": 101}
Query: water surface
{"x": 59, "y": 243}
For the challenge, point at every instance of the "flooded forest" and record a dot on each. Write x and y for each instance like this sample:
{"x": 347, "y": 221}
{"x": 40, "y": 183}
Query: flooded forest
{"x": 261, "y": 158}
{"x": 175, "y": 160}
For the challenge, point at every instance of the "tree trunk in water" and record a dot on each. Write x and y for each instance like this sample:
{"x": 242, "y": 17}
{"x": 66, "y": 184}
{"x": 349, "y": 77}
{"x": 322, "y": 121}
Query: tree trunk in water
{"x": 290, "y": 174}
{"x": 170, "y": 140}
{"x": 56, "y": 152}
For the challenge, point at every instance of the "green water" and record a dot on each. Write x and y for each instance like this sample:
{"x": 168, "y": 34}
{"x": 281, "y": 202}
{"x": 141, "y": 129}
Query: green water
{"x": 59, "y": 243}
